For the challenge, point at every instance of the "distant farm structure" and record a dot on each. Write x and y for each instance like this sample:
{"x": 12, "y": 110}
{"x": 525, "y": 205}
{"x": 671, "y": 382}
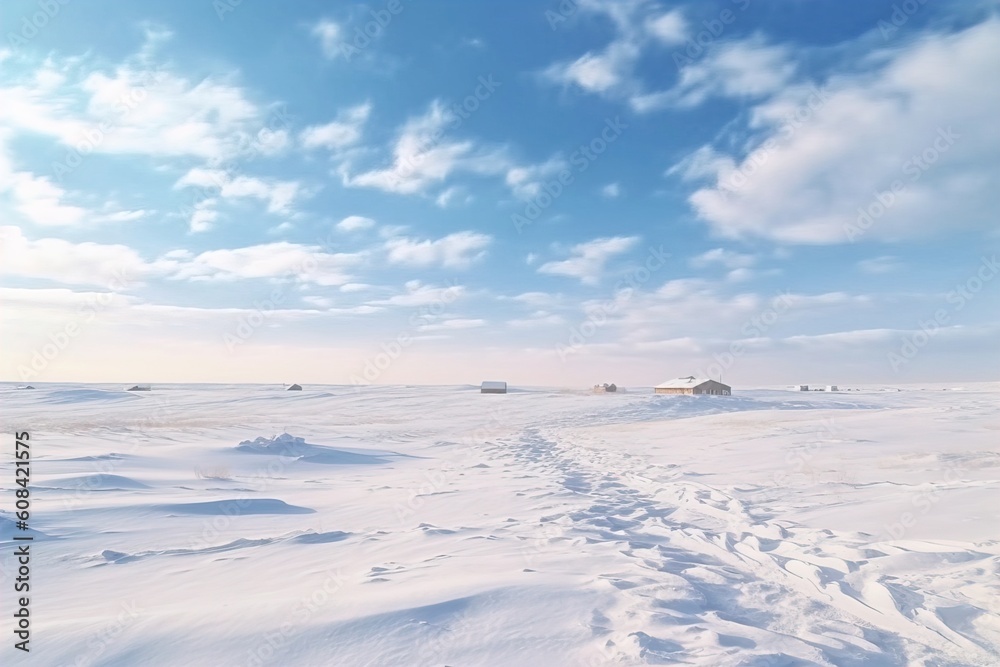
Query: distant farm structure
{"x": 493, "y": 387}
{"x": 605, "y": 388}
{"x": 693, "y": 385}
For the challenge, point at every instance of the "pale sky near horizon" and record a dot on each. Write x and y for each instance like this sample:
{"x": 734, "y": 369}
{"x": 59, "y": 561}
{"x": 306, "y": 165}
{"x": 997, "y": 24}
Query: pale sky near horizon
{"x": 557, "y": 194}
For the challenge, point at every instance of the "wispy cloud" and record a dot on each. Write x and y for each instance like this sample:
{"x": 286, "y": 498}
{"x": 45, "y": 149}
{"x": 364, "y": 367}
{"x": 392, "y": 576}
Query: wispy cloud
{"x": 587, "y": 260}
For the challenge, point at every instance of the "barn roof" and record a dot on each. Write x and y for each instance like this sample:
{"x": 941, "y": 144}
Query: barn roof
{"x": 683, "y": 383}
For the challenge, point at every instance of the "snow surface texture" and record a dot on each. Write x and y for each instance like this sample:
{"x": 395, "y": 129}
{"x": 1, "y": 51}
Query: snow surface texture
{"x": 246, "y": 525}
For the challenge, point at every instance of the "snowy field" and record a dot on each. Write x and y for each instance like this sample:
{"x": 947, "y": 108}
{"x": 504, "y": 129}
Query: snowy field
{"x": 438, "y": 526}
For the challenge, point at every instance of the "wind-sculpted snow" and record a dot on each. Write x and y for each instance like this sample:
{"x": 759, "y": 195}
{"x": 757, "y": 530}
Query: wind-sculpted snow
{"x": 246, "y": 525}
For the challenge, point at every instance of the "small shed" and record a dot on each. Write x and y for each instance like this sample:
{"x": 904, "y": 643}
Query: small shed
{"x": 493, "y": 387}
{"x": 693, "y": 385}
{"x": 293, "y": 387}
{"x": 139, "y": 387}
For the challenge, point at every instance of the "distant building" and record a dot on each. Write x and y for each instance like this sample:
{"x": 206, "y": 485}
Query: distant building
{"x": 293, "y": 387}
{"x": 139, "y": 387}
{"x": 605, "y": 388}
{"x": 803, "y": 387}
{"x": 693, "y": 385}
{"x": 832, "y": 387}
{"x": 493, "y": 387}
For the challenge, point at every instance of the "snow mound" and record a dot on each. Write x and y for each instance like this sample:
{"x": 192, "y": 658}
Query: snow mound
{"x": 69, "y": 396}
{"x": 8, "y": 529}
{"x": 95, "y": 482}
{"x": 236, "y": 507}
{"x": 292, "y": 446}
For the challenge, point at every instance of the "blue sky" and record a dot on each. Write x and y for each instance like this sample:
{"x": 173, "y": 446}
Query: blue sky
{"x": 555, "y": 193}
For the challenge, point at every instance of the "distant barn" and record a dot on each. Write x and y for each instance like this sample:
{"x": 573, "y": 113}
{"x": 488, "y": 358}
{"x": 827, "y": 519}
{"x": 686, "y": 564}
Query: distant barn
{"x": 139, "y": 387}
{"x": 492, "y": 387}
{"x": 693, "y": 385}
{"x": 293, "y": 387}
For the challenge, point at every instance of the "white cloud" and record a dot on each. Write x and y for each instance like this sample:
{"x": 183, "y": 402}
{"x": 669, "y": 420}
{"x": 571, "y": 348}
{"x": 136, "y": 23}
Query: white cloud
{"x": 203, "y": 215}
{"x": 537, "y": 321}
{"x": 423, "y": 156}
{"x": 598, "y": 72}
{"x": 450, "y": 196}
{"x": 881, "y": 264}
{"x": 746, "y": 69}
{"x": 417, "y": 294}
{"x": 527, "y": 182}
{"x": 354, "y": 223}
{"x": 318, "y": 301}
{"x": 72, "y": 263}
{"x": 458, "y": 250}
{"x": 730, "y": 259}
{"x": 587, "y": 260}
{"x": 330, "y": 39}
{"x": 279, "y": 195}
{"x": 819, "y": 181}
{"x": 340, "y": 133}
{"x": 39, "y": 200}
{"x": 453, "y": 325}
{"x": 536, "y": 299}
{"x": 611, "y": 190}
{"x": 138, "y": 107}
{"x": 611, "y": 71}
{"x": 306, "y": 264}
{"x": 669, "y": 28}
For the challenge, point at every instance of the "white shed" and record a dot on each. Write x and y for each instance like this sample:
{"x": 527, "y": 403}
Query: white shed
{"x": 493, "y": 387}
